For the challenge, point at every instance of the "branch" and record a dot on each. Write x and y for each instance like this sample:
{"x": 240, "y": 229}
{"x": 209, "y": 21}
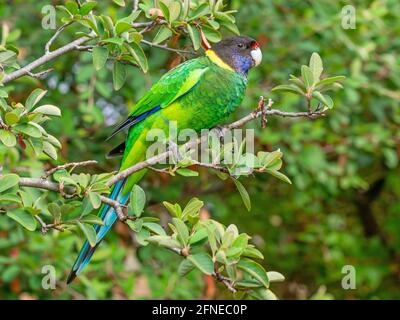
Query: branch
{"x": 44, "y": 59}
{"x": 179, "y": 51}
{"x": 55, "y": 35}
{"x": 67, "y": 191}
{"x": 74, "y": 45}
{"x": 237, "y": 124}
{"x": 72, "y": 165}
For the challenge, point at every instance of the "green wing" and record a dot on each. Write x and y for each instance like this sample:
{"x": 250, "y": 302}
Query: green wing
{"x": 173, "y": 85}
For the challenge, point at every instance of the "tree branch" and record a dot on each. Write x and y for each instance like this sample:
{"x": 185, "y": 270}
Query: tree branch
{"x": 237, "y": 124}
{"x": 69, "y": 191}
{"x": 179, "y": 51}
{"x": 55, "y": 36}
{"x": 72, "y": 165}
{"x": 44, "y": 59}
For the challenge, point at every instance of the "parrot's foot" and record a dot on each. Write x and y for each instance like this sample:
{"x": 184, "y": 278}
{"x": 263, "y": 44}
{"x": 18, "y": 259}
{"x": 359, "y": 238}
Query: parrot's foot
{"x": 219, "y": 131}
{"x": 174, "y": 148}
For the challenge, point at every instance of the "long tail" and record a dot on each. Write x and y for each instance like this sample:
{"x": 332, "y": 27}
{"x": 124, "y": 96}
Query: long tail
{"x": 108, "y": 215}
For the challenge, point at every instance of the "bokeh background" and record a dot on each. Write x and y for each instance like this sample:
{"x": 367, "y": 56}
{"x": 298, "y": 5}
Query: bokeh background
{"x": 343, "y": 207}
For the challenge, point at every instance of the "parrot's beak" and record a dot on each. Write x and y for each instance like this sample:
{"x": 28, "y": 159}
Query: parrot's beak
{"x": 256, "y": 54}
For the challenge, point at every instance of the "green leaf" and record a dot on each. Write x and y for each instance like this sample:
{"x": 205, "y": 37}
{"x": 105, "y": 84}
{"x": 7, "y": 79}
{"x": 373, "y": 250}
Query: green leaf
{"x": 10, "y": 273}
{"x": 182, "y": 229}
{"x": 121, "y": 3}
{"x": 87, "y": 7}
{"x": 279, "y": 175}
{"x": 175, "y": 9}
{"x": 252, "y": 253}
{"x": 263, "y": 294}
{"x": 155, "y": 228}
{"x": 211, "y": 34}
{"x": 165, "y": 10}
{"x": 243, "y": 193}
{"x": 23, "y": 218}
{"x": 95, "y": 199}
{"x": 135, "y": 225}
{"x": 114, "y": 40}
{"x": 11, "y": 118}
{"x": 325, "y": 99}
{"x": 198, "y": 236}
{"x": 72, "y": 7}
{"x": 200, "y": 11}
{"x": 194, "y": 36}
{"x": 93, "y": 219}
{"x": 316, "y": 66}
{"x": 330, "y": 80}
{"x": 55, "y": 211}
{"x": 28, "y": 129}
{"x": 50, "y": 150}
{"x": 185, "y": 267}
{"x": 89, "y": 233}
{"x": 163, "y": 34}
{"x": 203, "y": 262}
{"x": 3, "y": 94}
{"x": 164, "y": 241}
{"x": 137, "y": 200}
{"x": 231, "y": 27}
{"x": 8, "y": 181}
{"x": 307, "y": 76}
{"x": 241, "y": 241}
{"x": 247, "y": 284}
{"x": 48, "y": 110}
{"x": 288, "y": 88}
{"x": 193, "y": 207}
{"x": 119, "y": 75}
{"x": 9, "y": 197}
{"x": 187, "y": 172}
{"x": 122, "y": 26}
{"x": 174, "y": 210}
{"x": 7, "y": 55}
{"x": 138, "y": 54}
{"x": 7, "y": 138}
{"x": 255, "y": 270}
{"x": 274, "y": 276}
{"x": 100, "y": 56}
{"x": 35, "y": 96}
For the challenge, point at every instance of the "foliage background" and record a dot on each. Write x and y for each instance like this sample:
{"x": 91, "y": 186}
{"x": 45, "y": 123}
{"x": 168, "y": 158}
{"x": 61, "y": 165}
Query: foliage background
{"x": 343, "y": 207}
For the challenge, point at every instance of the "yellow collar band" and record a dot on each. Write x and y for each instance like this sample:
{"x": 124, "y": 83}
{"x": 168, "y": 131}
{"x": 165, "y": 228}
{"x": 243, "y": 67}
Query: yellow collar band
{"x": 217, "y": 60}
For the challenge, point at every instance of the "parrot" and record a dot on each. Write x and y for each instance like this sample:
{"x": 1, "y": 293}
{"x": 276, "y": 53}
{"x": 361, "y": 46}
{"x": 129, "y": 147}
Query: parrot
{"x": 199, "y": 93}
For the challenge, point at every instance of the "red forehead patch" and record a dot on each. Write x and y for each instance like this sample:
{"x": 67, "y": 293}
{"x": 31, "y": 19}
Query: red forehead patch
{"x": 254, "y": 45}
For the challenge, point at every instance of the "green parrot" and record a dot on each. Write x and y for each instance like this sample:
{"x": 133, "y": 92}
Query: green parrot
{"x": 197, "y": 94}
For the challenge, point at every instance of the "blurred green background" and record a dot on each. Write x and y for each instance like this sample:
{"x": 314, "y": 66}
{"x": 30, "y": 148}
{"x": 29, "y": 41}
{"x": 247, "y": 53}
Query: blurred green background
{"x": 342, "y": 209}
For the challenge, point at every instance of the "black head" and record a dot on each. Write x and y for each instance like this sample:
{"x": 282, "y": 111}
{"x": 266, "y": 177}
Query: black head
{"x": 241, "y": 53}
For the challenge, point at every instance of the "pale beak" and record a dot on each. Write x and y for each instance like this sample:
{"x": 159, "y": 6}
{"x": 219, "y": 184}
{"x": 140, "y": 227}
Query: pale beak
{"x": 256, "y": 54}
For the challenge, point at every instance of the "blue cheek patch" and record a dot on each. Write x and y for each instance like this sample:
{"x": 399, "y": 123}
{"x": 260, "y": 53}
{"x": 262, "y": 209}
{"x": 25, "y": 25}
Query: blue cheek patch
{"x": 242, "y": 63}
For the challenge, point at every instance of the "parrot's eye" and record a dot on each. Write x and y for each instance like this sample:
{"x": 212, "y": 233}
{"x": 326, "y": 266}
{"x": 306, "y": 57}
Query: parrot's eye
{"x": 240, "y": 45}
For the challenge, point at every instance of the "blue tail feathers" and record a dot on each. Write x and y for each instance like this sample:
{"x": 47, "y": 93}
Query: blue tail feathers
{"x": 109, "y": 216}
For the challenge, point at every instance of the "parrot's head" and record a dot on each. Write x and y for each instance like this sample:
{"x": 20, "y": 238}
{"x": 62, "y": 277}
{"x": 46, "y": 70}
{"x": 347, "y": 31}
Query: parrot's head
{"x": 240, "y": 53}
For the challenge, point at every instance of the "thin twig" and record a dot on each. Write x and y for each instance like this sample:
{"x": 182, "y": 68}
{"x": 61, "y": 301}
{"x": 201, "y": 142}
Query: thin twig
{"x": 180, "y": 51}
{"x": 72, "y": 165}
{"x": 40, "y": 75}
{"x": 55, "y": 36}
{"x": 44, "y": 59}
